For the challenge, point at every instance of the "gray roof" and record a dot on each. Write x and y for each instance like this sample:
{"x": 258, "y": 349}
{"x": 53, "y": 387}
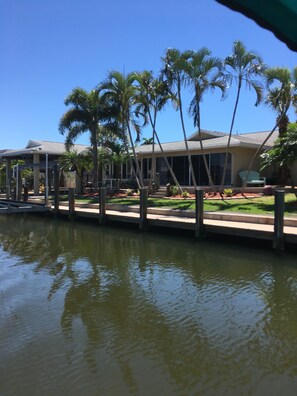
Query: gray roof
{"x": 206, "y": 135}
{"x": 244, "y": 140}
{"x": 211, "y": 140}
{"x": 43, "y": 147}
{"x": 259, "y": 137}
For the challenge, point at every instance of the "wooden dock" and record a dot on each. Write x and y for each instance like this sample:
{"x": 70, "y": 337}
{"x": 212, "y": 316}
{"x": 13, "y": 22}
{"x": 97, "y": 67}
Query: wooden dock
{"x": 277, "y": 229}
{"x": 9, "y": 207}
{"x": 256, "y": 227}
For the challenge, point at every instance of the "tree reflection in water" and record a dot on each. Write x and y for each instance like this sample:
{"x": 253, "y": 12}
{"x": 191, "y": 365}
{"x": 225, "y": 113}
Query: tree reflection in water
{"x": 145, "y": 302}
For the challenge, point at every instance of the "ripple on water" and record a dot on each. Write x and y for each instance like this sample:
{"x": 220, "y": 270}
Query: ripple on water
{"x": 127, "y": 314}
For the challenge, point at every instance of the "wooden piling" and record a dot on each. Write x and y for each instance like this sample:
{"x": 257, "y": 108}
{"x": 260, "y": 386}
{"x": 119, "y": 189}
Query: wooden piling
{"x": 199, "y": 213}
{"x": 71, "y": 198}
{"x": 102, "y": 205}
{"x": 143, "y": 209}
{"x": 18, "y": 184}
{"x": 56, "y": 189}
{"x": 279, "y": 210}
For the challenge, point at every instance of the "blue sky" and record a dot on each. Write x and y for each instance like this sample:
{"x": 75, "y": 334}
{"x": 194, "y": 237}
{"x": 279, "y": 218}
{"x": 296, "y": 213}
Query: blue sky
{"x": 49, "y": 48}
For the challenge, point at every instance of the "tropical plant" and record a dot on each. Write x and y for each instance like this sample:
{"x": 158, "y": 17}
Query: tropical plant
{"x": 174, "y": 190}
{"x": 203, "y": 74}
{"x": 72, "y": 160}
{"x": 243, "y": 68}
{"x": 147, "y": 141}
{"x": 228, "y": 192}
{"x": 282, "y": 94}
{"x": 118, "y": 157}
{"x": 119, "y": 90}
{"x": 284, "y": 151}
{"x": 77, "y": 162}
{"x": 88, "y": 110}
{"x": 185, "y": 194}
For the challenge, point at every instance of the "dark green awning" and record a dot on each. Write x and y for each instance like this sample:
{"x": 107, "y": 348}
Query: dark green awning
{"x": 279, "y": 16}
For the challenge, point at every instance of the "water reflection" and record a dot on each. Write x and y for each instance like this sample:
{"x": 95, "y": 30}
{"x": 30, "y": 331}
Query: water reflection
{"x": 154, "y": 314}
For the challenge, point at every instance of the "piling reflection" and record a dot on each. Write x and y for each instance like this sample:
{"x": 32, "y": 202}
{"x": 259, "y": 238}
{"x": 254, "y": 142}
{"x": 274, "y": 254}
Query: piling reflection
{"x": 181, "y": 316}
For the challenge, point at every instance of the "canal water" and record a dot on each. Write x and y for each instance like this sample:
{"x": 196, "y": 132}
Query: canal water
{"x": 89, "y": 310}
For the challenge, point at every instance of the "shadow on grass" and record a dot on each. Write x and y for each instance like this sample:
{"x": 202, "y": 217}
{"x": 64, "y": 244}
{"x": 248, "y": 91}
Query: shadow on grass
{"x": 171, "y": 204}
{"x": 242, "y": 206}
{"x": 290, "y": 207}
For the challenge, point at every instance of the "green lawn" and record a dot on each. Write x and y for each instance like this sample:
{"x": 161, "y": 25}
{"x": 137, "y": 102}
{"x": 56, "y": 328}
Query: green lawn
{"x": 263, "y": 205}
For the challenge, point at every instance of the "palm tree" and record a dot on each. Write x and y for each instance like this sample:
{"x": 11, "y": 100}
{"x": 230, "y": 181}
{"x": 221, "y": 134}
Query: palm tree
{"x": 118, "y": 157}
{"x": 203, "y": 74}
{"x": 280, "y": 98}
{"x": 147, "y": 141}
{"x": 119, "y": 90}
{"x": 87, "y": 111}
{"x": 152, "y": 96}
{"x": 74, "y": 161}
{"x": 242, "y": 67}
{"x": 173, "y": 73}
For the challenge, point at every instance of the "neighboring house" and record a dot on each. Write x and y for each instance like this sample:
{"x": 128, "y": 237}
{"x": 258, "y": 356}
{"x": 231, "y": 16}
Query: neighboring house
{"x": 241, "y": 151}
{"x": 34, "y": 155}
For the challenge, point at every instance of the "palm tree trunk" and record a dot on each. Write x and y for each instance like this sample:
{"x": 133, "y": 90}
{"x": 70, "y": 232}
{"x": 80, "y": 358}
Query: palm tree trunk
{"x": 153, "y": 123}
{"x": 95, "y": 165}
{"x": 138, "y": 171}
{"x": 230, "y": 134}
{"x": 203, "y": 152}
{"x": 185, "y": 136}
{"x": 130, "y": 159}
{"x": 260, "y": 148}
{"x": 167, "y": 163}
{"x": 153, "y": 167}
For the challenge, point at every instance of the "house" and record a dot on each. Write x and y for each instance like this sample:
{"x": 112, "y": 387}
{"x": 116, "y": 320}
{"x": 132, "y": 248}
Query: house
{"x": 35, "y": 154}
{"x": 38, "y": 152}
{"x": 242, "y": 149}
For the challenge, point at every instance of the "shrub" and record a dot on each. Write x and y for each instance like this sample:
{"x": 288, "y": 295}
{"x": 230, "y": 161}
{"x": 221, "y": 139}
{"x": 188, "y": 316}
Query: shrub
{"x": 174, "y": 190}
{"x": 185, "y": 194}
{"x": 228, "y": 192}
{"x": 129, "y": 192}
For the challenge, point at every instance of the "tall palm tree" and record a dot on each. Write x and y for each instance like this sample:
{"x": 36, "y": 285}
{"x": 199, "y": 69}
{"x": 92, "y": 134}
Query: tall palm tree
{"x": 87, "y": 111}
{"x": 203, "y": 73}
{"x": 242, "y": 67}
{"x": 152, "y": 96}
{"x": 173, "y": 73}
{"x": 280, "y": 97}
{"x": 283, "y": 95}
{"x": 119, "y": 90}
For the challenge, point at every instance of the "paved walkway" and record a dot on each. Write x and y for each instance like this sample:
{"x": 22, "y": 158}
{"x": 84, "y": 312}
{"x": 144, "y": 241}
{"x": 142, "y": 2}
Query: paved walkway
{"x": 217, "y": 226}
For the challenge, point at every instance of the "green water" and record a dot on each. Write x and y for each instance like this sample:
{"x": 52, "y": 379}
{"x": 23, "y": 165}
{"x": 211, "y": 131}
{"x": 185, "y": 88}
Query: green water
{"x": 88, "y": 310}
